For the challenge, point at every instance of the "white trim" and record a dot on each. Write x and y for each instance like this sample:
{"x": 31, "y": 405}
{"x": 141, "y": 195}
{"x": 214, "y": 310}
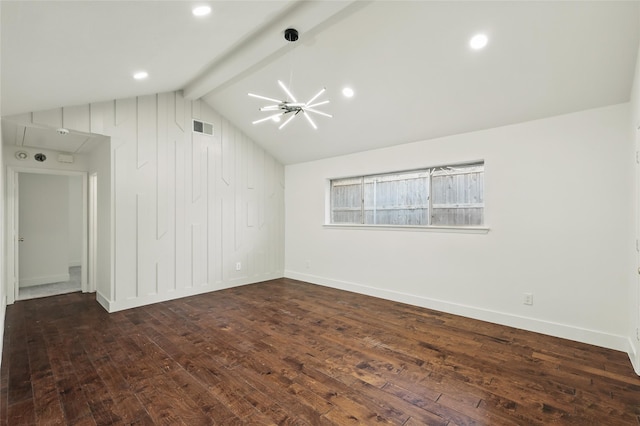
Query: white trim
{"x": 48, "y": 279}
{"x": 448, "y": 229}
{"x": 135, "y": 302}
{"x": 92, "y": 233}
{"x": 633, "y": 356}
{"x": 565, "y": 331}
{"x": 3, "y": 315}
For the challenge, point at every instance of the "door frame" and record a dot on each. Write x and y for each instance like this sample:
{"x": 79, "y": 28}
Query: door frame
{"x": 12, "y": 226}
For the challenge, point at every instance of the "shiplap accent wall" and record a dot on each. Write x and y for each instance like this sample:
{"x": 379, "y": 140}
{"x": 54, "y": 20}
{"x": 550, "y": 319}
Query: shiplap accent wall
{"x": 187, "y": 207}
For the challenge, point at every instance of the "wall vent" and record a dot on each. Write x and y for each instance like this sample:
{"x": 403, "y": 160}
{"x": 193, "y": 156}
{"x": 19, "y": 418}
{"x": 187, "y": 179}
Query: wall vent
{"x": 202, "y": 127}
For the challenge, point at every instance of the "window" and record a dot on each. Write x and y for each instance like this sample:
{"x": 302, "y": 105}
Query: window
{"x": 438, "y": 196}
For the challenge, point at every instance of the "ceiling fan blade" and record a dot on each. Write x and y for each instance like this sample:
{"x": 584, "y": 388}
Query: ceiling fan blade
{"x": 271, "y": 117}
{"x": 264, "y": 97}
{"x": 287, "y": 122}
{"x": 311, "y": 122}
{"x": 293, "y": 98}
{"x": 316, "y": 96}
{"x": 318, "y": 104}
{"x": 270, "y": 108}
{"x": 318, "y": 112}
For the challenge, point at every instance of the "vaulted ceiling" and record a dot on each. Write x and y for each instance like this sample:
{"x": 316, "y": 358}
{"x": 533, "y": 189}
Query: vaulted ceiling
{"x": 414, "y": 75}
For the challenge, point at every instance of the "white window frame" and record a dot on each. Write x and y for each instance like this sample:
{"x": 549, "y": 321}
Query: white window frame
{"x": 480, "y": 229}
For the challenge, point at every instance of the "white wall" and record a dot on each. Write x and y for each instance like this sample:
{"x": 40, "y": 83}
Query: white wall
{"x": 559, "y": 211}
{"x": 634, "y": 286}
{"x": 74, "y": 218}
{"x": 100, "y": 164}
{"x": 185, "y": 208}
{"x": 44, "y": 225}
{"x": 3, "y": 280}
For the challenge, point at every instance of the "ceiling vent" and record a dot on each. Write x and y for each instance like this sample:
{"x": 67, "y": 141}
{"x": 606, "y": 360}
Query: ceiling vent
{"x": 202, "y": 127}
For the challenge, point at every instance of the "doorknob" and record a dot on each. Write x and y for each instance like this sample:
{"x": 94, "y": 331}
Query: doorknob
{"x": 21, "y": 239}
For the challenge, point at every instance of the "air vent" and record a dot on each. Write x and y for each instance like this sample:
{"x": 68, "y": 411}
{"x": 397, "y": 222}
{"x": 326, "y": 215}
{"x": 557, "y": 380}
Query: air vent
{"x": 202, "y": 127}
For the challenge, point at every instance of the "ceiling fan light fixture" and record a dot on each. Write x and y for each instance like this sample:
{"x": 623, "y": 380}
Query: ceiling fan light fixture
{"x": 287, "y": 122}
{"x": 311, "y": 121}
{"x": 290, "y": 104}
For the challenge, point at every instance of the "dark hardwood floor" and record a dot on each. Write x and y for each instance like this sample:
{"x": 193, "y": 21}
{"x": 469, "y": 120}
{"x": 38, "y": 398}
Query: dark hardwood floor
{"x": 287, "y": 352}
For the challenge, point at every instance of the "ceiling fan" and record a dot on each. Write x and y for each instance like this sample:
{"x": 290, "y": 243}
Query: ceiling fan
{"x": 290, "y": 107}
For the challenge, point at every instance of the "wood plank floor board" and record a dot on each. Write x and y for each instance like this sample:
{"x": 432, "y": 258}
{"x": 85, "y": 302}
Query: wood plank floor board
{"x": 290, "y": 353}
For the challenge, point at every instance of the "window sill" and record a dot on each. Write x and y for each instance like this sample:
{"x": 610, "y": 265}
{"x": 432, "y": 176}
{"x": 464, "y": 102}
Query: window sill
{"x": 446, "y": 229}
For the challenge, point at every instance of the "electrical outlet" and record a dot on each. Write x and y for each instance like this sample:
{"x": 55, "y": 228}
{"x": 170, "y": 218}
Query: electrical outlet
{"x": 238, "y": 266}
{"x": 528, "y": 299}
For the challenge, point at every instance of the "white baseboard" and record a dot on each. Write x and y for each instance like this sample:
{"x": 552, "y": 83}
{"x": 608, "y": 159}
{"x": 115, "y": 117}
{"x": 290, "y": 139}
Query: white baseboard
{"x": 593, "y": 337}
{"x": 633, "y": 356}
{"x": 120, "y": 305}
{"x": 50, "y": 279}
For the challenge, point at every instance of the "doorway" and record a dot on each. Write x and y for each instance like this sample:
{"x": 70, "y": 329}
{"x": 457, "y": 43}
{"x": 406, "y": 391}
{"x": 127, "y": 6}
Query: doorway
{"x": 47, "y": 223}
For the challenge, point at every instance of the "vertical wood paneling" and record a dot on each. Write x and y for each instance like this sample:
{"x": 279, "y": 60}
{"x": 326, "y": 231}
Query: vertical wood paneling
{"x": 158, "y": 278}
{"x": 197, "y": 159}
{"x": 168, "y": 248}
{"x": 196, "y": 254}
{"x": 51, "y": 118}
{"x": 102, "y": 117}
{"x": 196, "y": 108}
{"x": 179, "y": 118}
{"x": 240, "y": 222}
{"x": 125, "y": 111}
{"x": 77, "y": 118}
{"x": 147, "y": 129}
{"x": 250, "y": 159}
{"x": 214, "y": 217}
{"x": 251, "y": 216}
{"x": 125, "y": 208}
{"x": 186, "y": 207}
{"x": 146, "y": 245}
{"x": 179, "y": 212}
{"x": 139, "y": 258}
{"x": 162, "y": 166}
{"x": 228, "y": 139}
{"x": 259, "y": 171}
{"x": 228, "y": 252}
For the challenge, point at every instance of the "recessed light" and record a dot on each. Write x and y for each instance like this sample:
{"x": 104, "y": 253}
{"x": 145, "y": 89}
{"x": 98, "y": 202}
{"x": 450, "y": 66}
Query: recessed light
{"x": 201, "y": 11}
{"x": 348, "y": 92}
{"x": 141, "y": 75}
{"x": 478, "y": 41}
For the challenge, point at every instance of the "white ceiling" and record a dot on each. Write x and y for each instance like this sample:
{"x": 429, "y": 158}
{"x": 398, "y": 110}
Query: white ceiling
{"x": 409, "y": 63}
